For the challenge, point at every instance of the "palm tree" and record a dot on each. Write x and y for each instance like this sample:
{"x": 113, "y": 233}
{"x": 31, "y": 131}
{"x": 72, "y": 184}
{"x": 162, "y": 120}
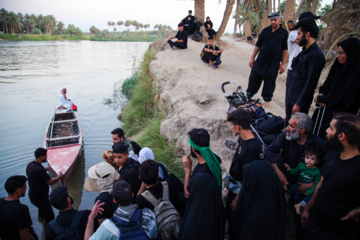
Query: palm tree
{"x": 60, "y": 27}
{"x": 14, "y": 23}
{"x": 94, "y": 30}
{"x": 21, "y": 21}
{"x": 33, "y": 21}
{"x": 289, "y": 11}
{"x": 227, "y": 14}
{"x": 343, "y": 22}
{"x": 40, "y": 21}
{"x": 4, "y": 15}
{"x": 49, "y": 23}
{"x": 237, "y": 14}
{"x": 127, "y": 23}
{"x": 200, "y": 10}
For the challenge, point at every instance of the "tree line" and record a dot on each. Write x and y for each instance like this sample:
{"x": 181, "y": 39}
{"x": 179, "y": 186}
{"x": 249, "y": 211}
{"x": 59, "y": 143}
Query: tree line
{"x": 11, "y": 22}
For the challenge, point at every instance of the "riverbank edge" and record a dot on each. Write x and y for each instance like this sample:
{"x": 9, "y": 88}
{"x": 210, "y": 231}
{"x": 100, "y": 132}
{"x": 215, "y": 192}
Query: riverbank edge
{"x": 143, "y": 115}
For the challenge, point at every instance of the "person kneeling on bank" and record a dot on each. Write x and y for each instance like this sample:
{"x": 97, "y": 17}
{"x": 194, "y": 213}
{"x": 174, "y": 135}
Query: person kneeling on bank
{"x": 211, "y": 54}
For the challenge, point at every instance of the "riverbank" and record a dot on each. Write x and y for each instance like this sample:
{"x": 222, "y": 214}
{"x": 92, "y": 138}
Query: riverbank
{"x": 189, "y": 93}
{"x": 42, "y": 37}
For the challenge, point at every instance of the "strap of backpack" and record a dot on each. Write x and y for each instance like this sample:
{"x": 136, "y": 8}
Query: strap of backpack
{"x": 164, "y": 169}
{"x": 165, "y": 191}
{"x": 76, "y": 221}
{"x": 56, "y": 227}
{"x": 151, "y": 198}
{"x": 133, "y": 220}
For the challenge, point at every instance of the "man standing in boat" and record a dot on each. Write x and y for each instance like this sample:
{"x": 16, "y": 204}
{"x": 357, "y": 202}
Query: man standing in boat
{"x": 39, "y": 181}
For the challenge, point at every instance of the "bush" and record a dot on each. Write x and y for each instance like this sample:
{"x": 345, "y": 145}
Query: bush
{"x": 36, "y": 31}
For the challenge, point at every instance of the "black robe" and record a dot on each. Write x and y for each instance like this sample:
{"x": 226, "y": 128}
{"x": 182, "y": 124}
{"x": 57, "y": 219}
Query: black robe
{"x": 341, "y": 89}
{"x": 204, "y": 216}
{"x": 261, "y": 209}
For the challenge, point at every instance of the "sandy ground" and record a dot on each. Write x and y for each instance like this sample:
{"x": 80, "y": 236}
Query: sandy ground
{"x": 192, "y": 92}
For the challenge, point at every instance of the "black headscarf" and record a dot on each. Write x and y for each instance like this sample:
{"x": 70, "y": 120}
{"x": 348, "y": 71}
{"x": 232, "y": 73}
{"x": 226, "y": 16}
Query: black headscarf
{"x": 204, "y": 216}
{"x": 261, "y": 209}
{"x": 341, "y": 89}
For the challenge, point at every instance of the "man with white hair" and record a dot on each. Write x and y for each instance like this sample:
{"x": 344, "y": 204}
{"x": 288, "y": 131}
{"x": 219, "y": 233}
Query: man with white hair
{"x": 290, "y": 145}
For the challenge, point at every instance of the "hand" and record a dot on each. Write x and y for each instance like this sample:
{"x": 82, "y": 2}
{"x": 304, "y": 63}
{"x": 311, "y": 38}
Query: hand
{"x": 296, "y": 109}
{"x": 353, "y": 214}
{"x": 251, "y": 63}
{"x": 233, "y": 203}
{"x": 187, "y": 162}
{"x": 48, "y": 169}
{"x": 305, "y": 217}
{"x": 61, "y": 175}
{"x": 282, "y": 68}
{"x": 304, "y": 187}
{"x": 96, "y": 209}
{"x": 287, "y": 167}
{"x": 283, "y": 180}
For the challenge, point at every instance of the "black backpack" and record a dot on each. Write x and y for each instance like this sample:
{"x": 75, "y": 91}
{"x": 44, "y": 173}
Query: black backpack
{"x": 136, "y": 147}
{"x": 132, "y": 229}
{"x": 197, "y": 36}
{"x": 269, "y": 124}
{"x": 71, "y": 233}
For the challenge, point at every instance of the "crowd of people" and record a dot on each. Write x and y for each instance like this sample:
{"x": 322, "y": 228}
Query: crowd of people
{"x": 312, "y": 175}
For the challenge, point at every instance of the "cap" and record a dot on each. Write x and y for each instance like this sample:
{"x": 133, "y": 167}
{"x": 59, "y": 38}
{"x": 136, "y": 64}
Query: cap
{"x": 275, "y": 15}
{"x": 308, "y": 15}
{"x": 100, "y": 173}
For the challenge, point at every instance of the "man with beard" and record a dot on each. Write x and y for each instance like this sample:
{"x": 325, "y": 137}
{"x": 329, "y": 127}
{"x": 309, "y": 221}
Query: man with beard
{"x": 338, "y": 192}
{"x": 15, "y": 219}
{"x": 272, "y": 45}
{"x": 39, "y": 181}
{"x": 290, "y": 145}
{"x": 208, "y": 162}
{"x": 69, "y": 220}
{"x": 307, "y": 67}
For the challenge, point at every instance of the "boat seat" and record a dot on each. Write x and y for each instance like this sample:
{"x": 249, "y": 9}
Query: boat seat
{"x": 63, "y": 138}
{"x": 65, "y": 121}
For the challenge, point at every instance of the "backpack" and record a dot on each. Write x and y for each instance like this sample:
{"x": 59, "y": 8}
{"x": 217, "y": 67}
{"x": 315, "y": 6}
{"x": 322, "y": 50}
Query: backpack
{"x": 72, "y": 233}
{"x": 269, "y": 124}
{"x": 168, "y": 219}
{"x": 132, "y": 229}
{"x": 136, "y": 147}
{"x": 197, "y": 36}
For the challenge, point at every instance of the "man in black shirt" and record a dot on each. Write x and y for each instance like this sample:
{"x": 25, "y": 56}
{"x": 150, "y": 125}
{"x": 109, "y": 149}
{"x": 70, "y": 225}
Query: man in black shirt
{"x": 208, "y": 162}
{"x": 248, "y": 150}
{"x": 209, "y": 27}
{"x": 272, "y": 45}
{"x": 15, "y": 220}
{"x": 61, "y": 199}
{"x": 211, "y": 54}
{"x": 338, "y": 192}
{"x": 127, "y": 167}
{"x": 307, "y": 66}
{"x": 39, "y": 181}
{"x": 181, "y": 38}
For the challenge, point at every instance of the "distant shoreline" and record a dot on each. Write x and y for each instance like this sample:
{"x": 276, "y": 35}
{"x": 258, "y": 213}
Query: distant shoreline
{"x": 45, "y": 37}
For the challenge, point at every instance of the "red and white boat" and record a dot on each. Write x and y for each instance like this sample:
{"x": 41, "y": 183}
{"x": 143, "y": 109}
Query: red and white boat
{"x": 63, "y": 141}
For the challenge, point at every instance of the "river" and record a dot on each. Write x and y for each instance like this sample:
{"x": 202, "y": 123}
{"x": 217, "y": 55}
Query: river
{"x": 31, "y": 77}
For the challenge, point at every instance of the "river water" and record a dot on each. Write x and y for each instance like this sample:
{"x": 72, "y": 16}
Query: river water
{"x": 31, "y": 77}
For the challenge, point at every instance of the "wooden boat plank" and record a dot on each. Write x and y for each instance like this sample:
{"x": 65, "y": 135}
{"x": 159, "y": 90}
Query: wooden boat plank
{"x": 61, "y": 158}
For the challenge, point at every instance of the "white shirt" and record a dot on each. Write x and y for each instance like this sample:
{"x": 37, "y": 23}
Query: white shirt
{"x": 63, "y": 102}
{"x": 294, "y": 48}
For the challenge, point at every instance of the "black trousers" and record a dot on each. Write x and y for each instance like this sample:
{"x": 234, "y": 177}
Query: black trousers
{"x": 289, "y": 100}
{"x": 45, "y": 209}
{"x": 260, "y": 72}
{"x": 211, "y": 32}
{"x": 210, "y": 57}
{"x": 180, "y": 45}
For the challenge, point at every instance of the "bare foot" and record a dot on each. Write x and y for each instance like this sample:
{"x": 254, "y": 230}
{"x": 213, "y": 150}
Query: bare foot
{"x": 267, "y": 104}
{"x": 298, "y": 208}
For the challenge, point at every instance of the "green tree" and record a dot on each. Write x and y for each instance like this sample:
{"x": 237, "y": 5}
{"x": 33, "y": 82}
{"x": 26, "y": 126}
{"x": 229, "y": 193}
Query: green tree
{"x": 94, "y": 30}
{"x": 49, "y": 24}
{"x": 40, "y": 22}
{"x": 21, "y": 21}
{"x": 60, "y": 27}
{"x": 72, "y": 30}
{"x": 4, "y": 15}
{"x": 14, "y": 23}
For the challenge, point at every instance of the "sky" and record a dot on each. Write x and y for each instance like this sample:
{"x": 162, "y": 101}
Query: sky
{"x": 86, "y": 13}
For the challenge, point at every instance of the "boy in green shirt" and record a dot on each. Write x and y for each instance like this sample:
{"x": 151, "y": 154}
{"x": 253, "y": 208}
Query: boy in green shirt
{"x": 308, "y": 172}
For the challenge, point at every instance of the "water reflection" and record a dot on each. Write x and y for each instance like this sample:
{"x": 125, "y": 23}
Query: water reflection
{"x": 31, "y": 77}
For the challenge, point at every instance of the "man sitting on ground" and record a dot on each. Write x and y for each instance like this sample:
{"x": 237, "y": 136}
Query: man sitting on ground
{"x": 125, "y": 213}
{"x": 180, "y": 39}
{"x": 211, "y": 54}
{"x": 15, "y": 220}
{"x": 209, "y": 27}
{"x": 68, "y": 216}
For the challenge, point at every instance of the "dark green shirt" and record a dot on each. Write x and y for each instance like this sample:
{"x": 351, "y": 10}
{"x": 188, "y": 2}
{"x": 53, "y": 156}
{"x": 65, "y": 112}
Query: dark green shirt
{"x": 307, "y": 175}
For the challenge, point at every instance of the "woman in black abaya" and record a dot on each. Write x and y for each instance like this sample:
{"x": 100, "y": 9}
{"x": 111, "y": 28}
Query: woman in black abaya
{"x": 341, "y": 89}
{"x": 260, "y": 212}
{"x": 204, "y": 216}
